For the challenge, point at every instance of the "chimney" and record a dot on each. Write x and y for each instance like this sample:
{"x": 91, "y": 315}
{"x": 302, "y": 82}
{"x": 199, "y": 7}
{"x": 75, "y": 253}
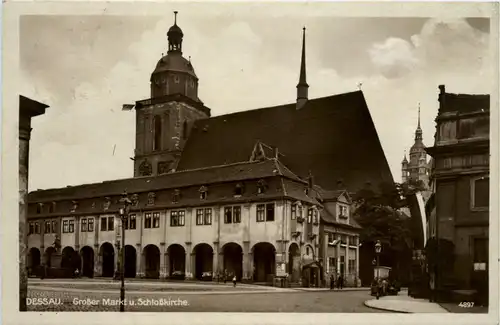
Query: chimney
{"x": 276, "y": 153}
{"x": 310, "y": 180}
{"x": 302, "y": 86}
{"x": 442, "y": 92}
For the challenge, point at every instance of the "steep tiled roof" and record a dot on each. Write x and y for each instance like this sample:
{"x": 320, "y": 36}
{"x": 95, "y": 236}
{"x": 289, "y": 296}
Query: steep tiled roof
{"x": 333, "y": 137}
{"x": 327, "y": 217}
{"x": 201, "y": 176}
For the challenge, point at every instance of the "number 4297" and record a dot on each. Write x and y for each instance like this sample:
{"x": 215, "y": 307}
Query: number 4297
{"x": 466, "y": 304}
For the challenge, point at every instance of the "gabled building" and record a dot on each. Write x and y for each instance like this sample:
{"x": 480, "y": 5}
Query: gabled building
{"x": 232, "y": 192}
{"x": 458, "y": 210}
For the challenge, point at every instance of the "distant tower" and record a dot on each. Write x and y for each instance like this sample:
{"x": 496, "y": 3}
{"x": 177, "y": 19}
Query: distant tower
{"x": 164, "y": 121}
{"x": 302, "y": 86}
{"x": 404, "y": 169}
{"x": 418, "y": 168}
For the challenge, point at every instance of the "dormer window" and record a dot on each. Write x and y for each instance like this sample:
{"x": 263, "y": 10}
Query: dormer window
{"x": 151, "y": 198}
{"x": 39, "y": 208}
{"x": 261, "y": 186}
{"x": 203, "y": 193}
{"x": 176, "y": 196}
{"x": 74, "y": 206}
{"x": 52, "y": 207}
{"x": 107, "y": 203}
{"x": 238, "y": 190}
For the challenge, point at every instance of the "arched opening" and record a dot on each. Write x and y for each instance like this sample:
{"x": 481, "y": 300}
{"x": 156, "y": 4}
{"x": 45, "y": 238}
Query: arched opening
{"x": 294, "y": 262}
{"x": 87, "y": 255}
{"x": 107, "y": 253}
{"x": 264, "y": 262}
{"x": 203, "y": 261}
{"x": 34, "y": 259}
{"x": 233, "y": 260}
{"x": 177, "y": 260}
{"x": 48, "y": 256}
{"x": 130, "y": 261}
{"x": 152, "y": 259}
{"x": 67, "y": 258}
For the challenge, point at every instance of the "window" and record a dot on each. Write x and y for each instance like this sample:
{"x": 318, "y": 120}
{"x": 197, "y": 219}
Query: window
{"x": 71, "y": 226}
{"x": 104, "y": 224}
{"x": 91, "y": 224}
{"x": 342, "y": 239}
{"x": 332, "y": 261}
{"x": 351, "y": 267}
{"x": 261, "y": 186}
{"x": 331, "y": 238}
{"x": 157, "y": 133}
{"x": 132, "y": 222}
{"x": 84, "y": 225}
{"x": 260, "y": 212}
{"x": 31, "y": 229}
{"x": 203, "y": 192}
{"x": 47, "y": 227}
{"x": 156, "y": 220}
{"x": 265, "y": 212}
{"x": 111, "y": 223}
{"x": 315, "y": 216}
{"x": 54, "y": 226}
{"x": 238, "y": 190}
{"x": 343, "y": 211}
{"x": 309, "y": 215}
{"x": 65, "y": 226}
{"x": 176, "y": 196}
{"x": 232, "y": 214}
{"x": 125, "y": 222}
{"x": 481, "y": 193}
{"x": 307, "y": 250}
{"x": 39, "y": 207}
{"x": 147, "y": 220}
{"x": 294, "y": 212}
{"x": 177, "y": 218}
{"x": 204, "y": 216}
{"x": 37, "y": 228}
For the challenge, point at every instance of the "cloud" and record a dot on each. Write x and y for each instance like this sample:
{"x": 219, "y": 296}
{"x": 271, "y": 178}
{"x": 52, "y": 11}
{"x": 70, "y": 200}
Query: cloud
{"x": 87, "y": 136}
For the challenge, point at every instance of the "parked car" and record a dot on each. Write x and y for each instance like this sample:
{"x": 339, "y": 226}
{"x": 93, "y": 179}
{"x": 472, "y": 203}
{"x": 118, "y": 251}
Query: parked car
{"x": 178, "y": 275}
{"x": 206, "y": 276}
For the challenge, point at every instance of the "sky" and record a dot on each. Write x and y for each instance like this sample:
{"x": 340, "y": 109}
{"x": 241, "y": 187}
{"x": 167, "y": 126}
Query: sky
{"x": 86, "y": 67}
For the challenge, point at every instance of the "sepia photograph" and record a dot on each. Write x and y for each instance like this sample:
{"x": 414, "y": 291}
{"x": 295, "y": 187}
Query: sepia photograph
{"x": 279, "y": 158}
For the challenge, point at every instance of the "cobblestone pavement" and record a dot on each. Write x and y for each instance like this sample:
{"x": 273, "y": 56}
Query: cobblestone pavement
{"x": 271, "y": 301}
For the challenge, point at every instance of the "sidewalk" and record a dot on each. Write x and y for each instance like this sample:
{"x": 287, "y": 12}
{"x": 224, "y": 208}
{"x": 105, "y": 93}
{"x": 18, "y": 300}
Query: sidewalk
{"x": 403, "y": 303}
{"x": 333, "y": 290}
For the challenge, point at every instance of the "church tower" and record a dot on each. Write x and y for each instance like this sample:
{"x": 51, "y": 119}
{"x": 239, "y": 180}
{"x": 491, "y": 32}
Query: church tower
{"x": 417, "y": 168}
{"x": 302, "y": 86}
{"x": 163, "y": 122}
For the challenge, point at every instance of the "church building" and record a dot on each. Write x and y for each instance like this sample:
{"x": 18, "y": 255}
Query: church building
{"x": 242, "y": 193}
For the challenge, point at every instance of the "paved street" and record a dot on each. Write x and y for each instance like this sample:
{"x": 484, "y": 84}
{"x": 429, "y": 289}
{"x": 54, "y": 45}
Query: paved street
{"x": 185, "y": 297}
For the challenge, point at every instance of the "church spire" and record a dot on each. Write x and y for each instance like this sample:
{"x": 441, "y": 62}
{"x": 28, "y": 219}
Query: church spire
{"x": 418, "y": 132}
{"x": 302, "y": 86}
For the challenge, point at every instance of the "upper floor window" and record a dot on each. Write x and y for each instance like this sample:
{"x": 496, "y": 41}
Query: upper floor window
{"x": 107, "y": 223}
{"x": 315, "y": 216}
{"x": 294, "y": 211}
{"x": 203, "y": 216}
{"x": 65, "y": 226}
{"x": 83, "y": 225}
{"x": 104, "y": 224}
{"x": 232, "y": 214}
{"x": 156, "y": 220}
{"x": 71, "y": 226}
{"x": 265, "y": 212}
{"x": 54, "y": 226}
{"x": 111, "y": 223}
{"x": 31, "y": 229}
{"x": 46, "y": 228}
{"x": 90, "y": 224}
{"x": 177, "y": 218}
{"x": 157, "y": 132}
{"x": 52, "y": 207}
{"x": 481, "y": 192}
{"x": 147, "y": 220}
{"x": 343, "y": 211}
{"x": 203, "y": 192}
{"x": 39, "y": 208}
{"x": 131, "y": 221}
{"x": 310, "y": 212}
{"x": 238, "y": 190}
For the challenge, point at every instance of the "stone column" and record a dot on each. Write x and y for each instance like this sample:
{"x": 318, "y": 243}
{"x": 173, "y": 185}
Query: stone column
{"x": 250, "y": 265}
{"x": 337, "y": 268}
{"x": 188, "y": 259}
{"x": 28, "y": 108}
{"x": 346, "y": 267}
{"x": 247, "y": 270}
{"x": 163, "y": 270}
{"x": 97, "y": 261}
{"x": 166, "y": 259}
{"x": 139, "y": 262}
{"x": 215, "y": 265}
{"x": 77, "y": 233}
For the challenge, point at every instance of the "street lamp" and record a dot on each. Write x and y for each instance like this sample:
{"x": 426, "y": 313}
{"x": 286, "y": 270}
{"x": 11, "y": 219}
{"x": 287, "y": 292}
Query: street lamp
{"x": 378, "y": 249}
{"x": 123, "y": 212}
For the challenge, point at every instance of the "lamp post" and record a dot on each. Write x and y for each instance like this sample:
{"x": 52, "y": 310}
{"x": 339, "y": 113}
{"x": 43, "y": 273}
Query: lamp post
{"x": 124, "y": 212}
{"x": 378, "y": 249}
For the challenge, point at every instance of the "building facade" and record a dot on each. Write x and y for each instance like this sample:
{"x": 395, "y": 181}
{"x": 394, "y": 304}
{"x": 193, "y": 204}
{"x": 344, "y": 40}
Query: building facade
{"x": 233, "y": 193}
{"x": 459, "y": 207}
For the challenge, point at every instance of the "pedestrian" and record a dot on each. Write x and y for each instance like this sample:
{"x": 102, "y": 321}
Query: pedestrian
{"x": 340, "y": 282}
{"x": 234, "y": 281}
{"x": 332, "y": 281}
{"x": 225, "y": 276}
{"x": 77, "y": 273}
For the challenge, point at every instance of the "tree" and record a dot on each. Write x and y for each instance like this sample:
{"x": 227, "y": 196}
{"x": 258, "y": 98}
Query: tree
{"x": 380, "y": 213}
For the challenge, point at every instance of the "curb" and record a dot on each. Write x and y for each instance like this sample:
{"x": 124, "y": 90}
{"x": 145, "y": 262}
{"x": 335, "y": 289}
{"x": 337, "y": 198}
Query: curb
{"x": 366, "y": 303}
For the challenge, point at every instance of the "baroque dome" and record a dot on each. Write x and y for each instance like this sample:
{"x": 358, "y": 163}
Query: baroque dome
{"x": 175, "y": 62}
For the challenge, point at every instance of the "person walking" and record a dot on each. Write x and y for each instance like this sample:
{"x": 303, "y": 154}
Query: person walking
{"x": 340, "y": 282}
{"x": 225, "y": 276}
{"x": 234, "y": 281}
{"x": 332, "y": 281}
